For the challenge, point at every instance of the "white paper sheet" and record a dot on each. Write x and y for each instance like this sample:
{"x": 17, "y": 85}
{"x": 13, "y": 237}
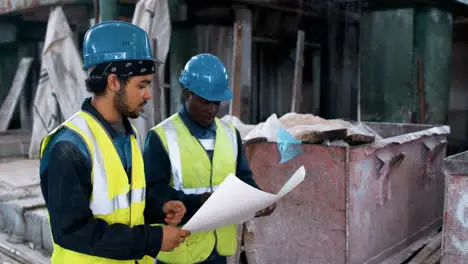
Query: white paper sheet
{"x": 234, "y": 202}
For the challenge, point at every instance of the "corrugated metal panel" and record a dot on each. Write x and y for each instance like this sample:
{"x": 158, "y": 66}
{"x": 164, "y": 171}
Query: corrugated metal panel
{"x": 8, "y": 6}
{"x": 188, "y": 42}
{"x": 217, "y": 40}
{"x": 272, "y": 82}
{"x": 272, "y": 76}
{"x": 272, "y": 70}
{"x": 341, "y": 62}
{"x": 8, "y": 65}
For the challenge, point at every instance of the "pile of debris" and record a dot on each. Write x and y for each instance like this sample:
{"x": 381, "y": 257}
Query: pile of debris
{"x": 425, "y": 251}
{"x": 307, "y": 128}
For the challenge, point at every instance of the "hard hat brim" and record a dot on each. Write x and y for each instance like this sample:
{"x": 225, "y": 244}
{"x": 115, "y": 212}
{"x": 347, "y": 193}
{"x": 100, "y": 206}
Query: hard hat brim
{"x": 226, "y": 95}
{"x": 156, "y": 62}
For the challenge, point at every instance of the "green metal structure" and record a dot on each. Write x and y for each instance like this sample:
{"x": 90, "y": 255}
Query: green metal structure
{"x": 433, "y": 47}
{"x": 386, "y": 44}
{"x": 405, "y": 60}
{"x": 108, "y": 10}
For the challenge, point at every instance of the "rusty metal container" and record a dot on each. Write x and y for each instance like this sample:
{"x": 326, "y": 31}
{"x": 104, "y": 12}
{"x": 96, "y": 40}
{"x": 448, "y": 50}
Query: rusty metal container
{"x": 357, "y": 204}
{"x": 455, "y": 228}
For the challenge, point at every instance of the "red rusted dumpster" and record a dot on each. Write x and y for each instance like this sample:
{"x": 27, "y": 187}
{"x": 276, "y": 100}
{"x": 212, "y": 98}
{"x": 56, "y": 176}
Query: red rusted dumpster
{"x": 455, "y": 229}
{"x": 357, "y": 204}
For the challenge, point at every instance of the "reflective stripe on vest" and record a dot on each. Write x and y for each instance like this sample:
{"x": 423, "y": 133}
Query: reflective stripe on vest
{"x": 100, "y": 204}
{"x": 194, "y": 173}
{"x": 174, "y": 154}
{"x": 113, "y": 199}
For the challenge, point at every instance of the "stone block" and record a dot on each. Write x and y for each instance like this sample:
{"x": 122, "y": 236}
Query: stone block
{"x": 33, "y": 226}
{"x": 13, "y": 216}
{"x": 46, "y": 236}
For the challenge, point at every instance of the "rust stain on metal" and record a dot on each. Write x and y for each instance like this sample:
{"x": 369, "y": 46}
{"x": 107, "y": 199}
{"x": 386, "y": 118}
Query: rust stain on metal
{"x": 421, "y": 92}
{"x": 389, "y": 161}
{"x": 308, "y": 225}
{"x": 455, "y": 236}
{"x": 433, "y": 150}
{"x": 386, "y": 216}
{"x": 355, "y": 206}
{"x": 96, "y": 15}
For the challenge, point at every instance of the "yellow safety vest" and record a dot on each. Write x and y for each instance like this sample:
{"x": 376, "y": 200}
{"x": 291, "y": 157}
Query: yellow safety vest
{"x": 191, "y": 169}
{"x": 112, "y": 198}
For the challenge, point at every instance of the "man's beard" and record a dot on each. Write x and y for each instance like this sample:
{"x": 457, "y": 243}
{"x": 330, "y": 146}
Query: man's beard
{"x": 122, "y": 106}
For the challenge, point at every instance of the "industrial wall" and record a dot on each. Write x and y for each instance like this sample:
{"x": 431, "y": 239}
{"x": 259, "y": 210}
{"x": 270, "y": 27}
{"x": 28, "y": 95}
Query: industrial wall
{"x": 330, "y": 71}
{"x": 458, "y": 109}
{"x": 329, "y": 78}
{"x": 189, "y": 41}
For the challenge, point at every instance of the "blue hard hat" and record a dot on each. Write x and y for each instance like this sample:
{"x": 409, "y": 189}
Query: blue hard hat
{"x": 115, "y": 41}
{"x": 206, "y": 76}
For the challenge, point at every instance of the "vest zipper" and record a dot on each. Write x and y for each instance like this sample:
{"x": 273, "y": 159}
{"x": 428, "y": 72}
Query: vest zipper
{"x": 211, "y": 189}
{"x": 211, "y": 175}
{"x": 125, "y": 169}
{"x": 211, "y": 181}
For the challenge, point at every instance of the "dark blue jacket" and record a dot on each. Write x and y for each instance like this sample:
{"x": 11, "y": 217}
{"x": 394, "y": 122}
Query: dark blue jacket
{"x": 65, "y": 171}
{"x": 158, "y": 169}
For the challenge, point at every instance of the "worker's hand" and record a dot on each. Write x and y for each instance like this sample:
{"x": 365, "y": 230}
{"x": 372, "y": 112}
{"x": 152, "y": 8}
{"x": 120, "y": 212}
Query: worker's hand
{"x": 204, "y": 197}
{"x": 267, "y": 211}
{"x": 174, "y": 211}
{"x": 173, "y": 237}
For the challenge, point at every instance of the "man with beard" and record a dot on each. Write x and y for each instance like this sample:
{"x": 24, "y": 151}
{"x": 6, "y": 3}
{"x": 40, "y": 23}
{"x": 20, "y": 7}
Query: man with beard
{"x": 91, "y": 168}
{"x": 189, "y": 154}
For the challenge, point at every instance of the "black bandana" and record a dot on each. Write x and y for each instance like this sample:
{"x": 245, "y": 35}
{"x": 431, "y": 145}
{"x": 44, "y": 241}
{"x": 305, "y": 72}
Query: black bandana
{"x": 125, "y": 68}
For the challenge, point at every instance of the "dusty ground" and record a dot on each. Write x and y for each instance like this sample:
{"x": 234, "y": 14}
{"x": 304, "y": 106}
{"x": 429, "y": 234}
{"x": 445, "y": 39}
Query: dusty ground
{"x": 23, "y": 223}
{"x": 20, "y": 253}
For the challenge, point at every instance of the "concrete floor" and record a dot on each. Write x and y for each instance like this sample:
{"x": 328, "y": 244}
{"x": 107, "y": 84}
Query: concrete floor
{"x": 20, "y": 253}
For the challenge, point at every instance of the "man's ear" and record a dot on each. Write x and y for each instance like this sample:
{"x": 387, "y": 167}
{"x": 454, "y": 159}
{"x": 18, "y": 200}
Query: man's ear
{"x": 113, "y": 83}
{"x": 186, "y": 94}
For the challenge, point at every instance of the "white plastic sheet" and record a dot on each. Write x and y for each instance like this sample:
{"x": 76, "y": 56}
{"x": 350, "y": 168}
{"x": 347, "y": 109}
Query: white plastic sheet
{"x": 153, "y": 17}
{"x": 235, "y": 202}
{"x": 61, "y": 88}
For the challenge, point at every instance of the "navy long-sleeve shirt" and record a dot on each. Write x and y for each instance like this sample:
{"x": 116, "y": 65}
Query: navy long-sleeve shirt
{"x": 65, "y": 171}
{"x": 158, "y": 169}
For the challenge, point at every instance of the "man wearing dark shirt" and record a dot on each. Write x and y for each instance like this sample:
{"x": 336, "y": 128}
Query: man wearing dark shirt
{"x": 189, "y": 154}
{"x": 91, "y": 168}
